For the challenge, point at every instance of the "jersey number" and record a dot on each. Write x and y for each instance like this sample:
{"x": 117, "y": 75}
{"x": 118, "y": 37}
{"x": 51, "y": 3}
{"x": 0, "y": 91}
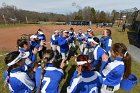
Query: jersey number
{"x": 94, "y": 90}
{"x": 47, "y": 81}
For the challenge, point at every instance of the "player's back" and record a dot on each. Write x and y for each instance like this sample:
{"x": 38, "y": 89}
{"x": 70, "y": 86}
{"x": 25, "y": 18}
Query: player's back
{"x": 51, "y": 79}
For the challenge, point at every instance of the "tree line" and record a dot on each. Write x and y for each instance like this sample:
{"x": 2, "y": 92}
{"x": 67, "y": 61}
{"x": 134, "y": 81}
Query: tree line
{"x": 11, "y": 14}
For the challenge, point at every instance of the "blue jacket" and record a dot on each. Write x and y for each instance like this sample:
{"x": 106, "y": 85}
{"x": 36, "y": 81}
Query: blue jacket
{"x": 106, "y": 43}
{"x": 19, "y": 82}
{"x": 51, "y": 81}
{"x": 34, "y": 44}
{"x": 79, "y": 36}
{"x": 87, "y": 82}
{"x": 88, "y": 43}
{"x": 86, "y": 36}
{"x": 63, "y": 43}
{"x": 98, "y": 52}
{"x": 54, "y": 39}
{"x": 72, "y": 37}
{"x": 113, "y": 72}
{"x": 41, "y": 37}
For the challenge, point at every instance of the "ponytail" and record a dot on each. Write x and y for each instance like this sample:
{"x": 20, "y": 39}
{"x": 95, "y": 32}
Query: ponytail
{"x": 48, "y": 56}
{"x": 9, "y": 70}
{"x": 42, "y": 76}
{"x": 121, "y": 50}
{"x": 127, "y": 64}
{"x": 9, "y": 58}
{"x": 7, "y": 80}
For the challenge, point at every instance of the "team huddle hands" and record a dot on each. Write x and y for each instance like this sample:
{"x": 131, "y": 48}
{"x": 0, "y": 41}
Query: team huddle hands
{"x": 33, "y": 67}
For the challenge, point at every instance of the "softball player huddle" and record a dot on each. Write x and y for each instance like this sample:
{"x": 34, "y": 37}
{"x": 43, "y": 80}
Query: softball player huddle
{"x": 95, "y": 71}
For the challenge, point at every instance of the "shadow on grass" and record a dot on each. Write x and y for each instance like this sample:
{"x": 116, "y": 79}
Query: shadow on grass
{"x": 69, "y": 77}
{"x": 134, "y": 39}
{"x": 73, "y": 52}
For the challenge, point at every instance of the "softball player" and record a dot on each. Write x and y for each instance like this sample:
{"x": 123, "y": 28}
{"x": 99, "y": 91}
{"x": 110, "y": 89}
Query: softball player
{"x": 63, "y": 42}
{"x": 72, "y": 36}
{"x": 48, "y": 77}
{"x": 41, "y": 37}
{"x": 60, "y": 36}
{"x": 80, "y": 37}
{"x": 116, "y": 70}
{"x": 88, "y": 48}
{"x": 17, "y": 80}
{"x": 54, "y": 41}
{"x": 24, "y": 46}
{"x": 34, "y": 42}
{"x": 97, "y": 54}
{"x": 106, "y": 41}
{"x": 84, "y": 79}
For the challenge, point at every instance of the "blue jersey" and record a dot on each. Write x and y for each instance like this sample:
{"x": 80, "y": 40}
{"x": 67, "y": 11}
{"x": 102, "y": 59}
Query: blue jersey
{"x": 19, "y": 82}
{"x": 88, "y": 43}
{"x": 64, "y": 45}
{"x": 51, "y": 80}
{"x": 113, "y": 72}
{"x": 72, "y": 37}
{"x": 86, "y": 36}
{"x": 87, "y": 82}
{"x": 106, "y": 43}
{"x": 32, "y": 57}
{"x": 80, "y": 37}
{"x": 98, "y": 52}
{"x": 34, "y": 44}
{"x": 54, "y": 39}
{"x": 41, "y": 37}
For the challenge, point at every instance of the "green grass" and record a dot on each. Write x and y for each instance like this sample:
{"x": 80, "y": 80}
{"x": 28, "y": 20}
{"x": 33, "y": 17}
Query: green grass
{"x": 117, "y": 37}
{"x": 2, "y": 69}
{"x": 11, "y": 25}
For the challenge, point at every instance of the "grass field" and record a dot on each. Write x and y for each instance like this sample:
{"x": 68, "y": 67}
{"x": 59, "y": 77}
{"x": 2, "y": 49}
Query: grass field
{"x": 117, "y": 37}
{"x": 11, "y": 25}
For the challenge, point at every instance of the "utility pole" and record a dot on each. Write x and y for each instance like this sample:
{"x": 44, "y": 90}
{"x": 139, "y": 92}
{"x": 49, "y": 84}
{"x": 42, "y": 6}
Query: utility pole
{"x": 4, "y": 19}
{"x": 4, "y": 5}
{"x": 26, "y": 20}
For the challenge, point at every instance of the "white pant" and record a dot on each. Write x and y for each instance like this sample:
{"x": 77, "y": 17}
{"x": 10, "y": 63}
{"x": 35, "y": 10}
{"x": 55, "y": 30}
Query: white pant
{"x": 81, "y": 46}
{"x": 64, "y": 55}
{"x": 88, "y": 50}
{"x": 55, "y": 47}
{"x": 58, "y": 49}
{"x": 72, "y": 44}
{"x": 90, "y": 54}
{"x": 105, "y": 90}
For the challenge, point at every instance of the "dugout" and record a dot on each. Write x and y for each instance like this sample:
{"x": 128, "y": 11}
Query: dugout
{"x": 136, "y": 23}
{"x": 80, "y": 22}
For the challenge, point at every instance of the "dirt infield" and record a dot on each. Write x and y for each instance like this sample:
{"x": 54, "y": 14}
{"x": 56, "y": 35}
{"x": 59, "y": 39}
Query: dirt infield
{"x": 9, "y": 36}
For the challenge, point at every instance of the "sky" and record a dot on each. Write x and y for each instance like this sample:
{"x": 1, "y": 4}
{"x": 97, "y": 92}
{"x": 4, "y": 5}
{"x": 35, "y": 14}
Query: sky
{"x": 69, "y": 6}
